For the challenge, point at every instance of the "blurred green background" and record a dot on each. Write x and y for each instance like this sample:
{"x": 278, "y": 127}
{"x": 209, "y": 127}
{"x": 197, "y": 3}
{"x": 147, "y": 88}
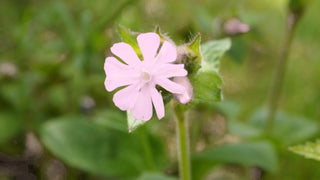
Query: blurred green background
{"x": 57, "y": 121}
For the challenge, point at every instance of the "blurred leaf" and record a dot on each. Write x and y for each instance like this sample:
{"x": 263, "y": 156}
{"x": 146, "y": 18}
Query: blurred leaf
{"x": 298, "y": 5}
{"x": 10, "y": 125}
{"x": 229, "y": 108}
{"x": 243, "y": 130}
{"x": 93, "y": 148}
{"x": 112, "y": 119}
{"x": 58, "y": 96}
{"x": 133, "y": 123}
{"x": 309, "y": 150}
{"x": 130, "y": 38}
{"x": 261, "y": 154}
{"x": 207, "y": 86}
{"x": 201, "y": 17}
{"x": 212, "y": 52}
{"x": 288, "y": 129}
{"x": 154, "y": 176}
{"x": 11, "y": 93}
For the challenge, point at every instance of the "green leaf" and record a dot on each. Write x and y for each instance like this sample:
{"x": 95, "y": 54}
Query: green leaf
{"x": 93, "y": 148}
{"x": 309, "y": 150}
{"x": 133, "y": 123}
{"x": 155, "y": 176}
{"x": 261, "y": 154}
{"x": 10, "y": 125}
{"x": 243, "y": 130}
{"x": 229, "y": 108}
{"x": 212, "y": 52}
{"x": 130, "y": 38}
{"x": 288, "y": 129}
{"x": 111, "y": 119}
{"x": 207, "y": 86}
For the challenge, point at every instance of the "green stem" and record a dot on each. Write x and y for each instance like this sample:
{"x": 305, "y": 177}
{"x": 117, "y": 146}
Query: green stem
{"x": 183, "y": 144}
{"x": 292, "y": 21}
{"x": 147, "y": 149}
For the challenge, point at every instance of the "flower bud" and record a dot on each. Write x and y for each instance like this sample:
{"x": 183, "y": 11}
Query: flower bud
{"x": 187, "y": 96}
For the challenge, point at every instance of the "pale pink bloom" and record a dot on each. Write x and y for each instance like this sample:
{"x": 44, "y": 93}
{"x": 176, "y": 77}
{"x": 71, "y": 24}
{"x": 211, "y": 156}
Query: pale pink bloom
{"x": 141, "y": 77}
{"x": 188, "y": 94}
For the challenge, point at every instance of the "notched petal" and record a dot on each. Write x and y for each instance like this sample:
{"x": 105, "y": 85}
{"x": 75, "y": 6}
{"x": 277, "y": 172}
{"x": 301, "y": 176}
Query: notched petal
{"x": 167, "y": 53}
{"x": 149, "y": 44}
{"x": 125, "y": 52}
{"x": 118, "y": 74}
{"x": 171, "y": 70}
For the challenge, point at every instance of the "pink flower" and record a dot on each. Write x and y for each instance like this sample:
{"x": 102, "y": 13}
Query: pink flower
{"x": 141, "y": 77}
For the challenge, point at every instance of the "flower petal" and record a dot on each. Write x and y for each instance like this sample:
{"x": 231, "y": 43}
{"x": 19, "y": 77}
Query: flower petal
{"x": 125, "y": 52}
{"x": 171, "y": 70}
{"x": 125, "y": 98}
{"x": 118, "y": 74}
{"x": 167, "y": 53}
{"x": 157, "y": 102}
{"x": 149, "y": 44}
{"x": 169, "y": 85}
{"x": 142, "y": 109}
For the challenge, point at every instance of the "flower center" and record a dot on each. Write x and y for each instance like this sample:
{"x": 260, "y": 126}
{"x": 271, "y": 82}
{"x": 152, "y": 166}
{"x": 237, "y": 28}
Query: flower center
{"x": 145, "y": 76}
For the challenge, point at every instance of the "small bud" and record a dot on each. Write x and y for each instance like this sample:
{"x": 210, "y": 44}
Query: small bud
{"x": 188, "y": 95}
{"x": 234, "y": 27}
{"x": 8, "y": 69}
{"x": 189, "y": 55}
{"x": 87, "y": 104}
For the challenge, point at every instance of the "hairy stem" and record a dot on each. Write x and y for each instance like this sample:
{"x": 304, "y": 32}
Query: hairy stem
{"x": 183, "y": 144}
{"x": 292, "y": 21}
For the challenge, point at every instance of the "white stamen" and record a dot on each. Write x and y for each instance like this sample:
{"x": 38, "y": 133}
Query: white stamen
{"x": 145, "y": 76}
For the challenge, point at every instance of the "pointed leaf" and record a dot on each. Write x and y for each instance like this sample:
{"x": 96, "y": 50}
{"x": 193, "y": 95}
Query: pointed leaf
{"x": 309, "y": 150}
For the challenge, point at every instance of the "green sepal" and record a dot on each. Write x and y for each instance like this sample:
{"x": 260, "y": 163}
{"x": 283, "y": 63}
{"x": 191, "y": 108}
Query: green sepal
{"x": 163, "y": 37}
{"x": 189, "y": 55}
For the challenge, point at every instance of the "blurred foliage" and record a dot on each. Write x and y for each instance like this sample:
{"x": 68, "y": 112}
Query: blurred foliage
{"x": 309, "y": 150}
{"x": 51, "y": 83}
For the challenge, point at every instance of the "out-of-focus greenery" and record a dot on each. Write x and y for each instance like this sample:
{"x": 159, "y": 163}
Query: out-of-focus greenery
{"x": 52, "y": 86}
